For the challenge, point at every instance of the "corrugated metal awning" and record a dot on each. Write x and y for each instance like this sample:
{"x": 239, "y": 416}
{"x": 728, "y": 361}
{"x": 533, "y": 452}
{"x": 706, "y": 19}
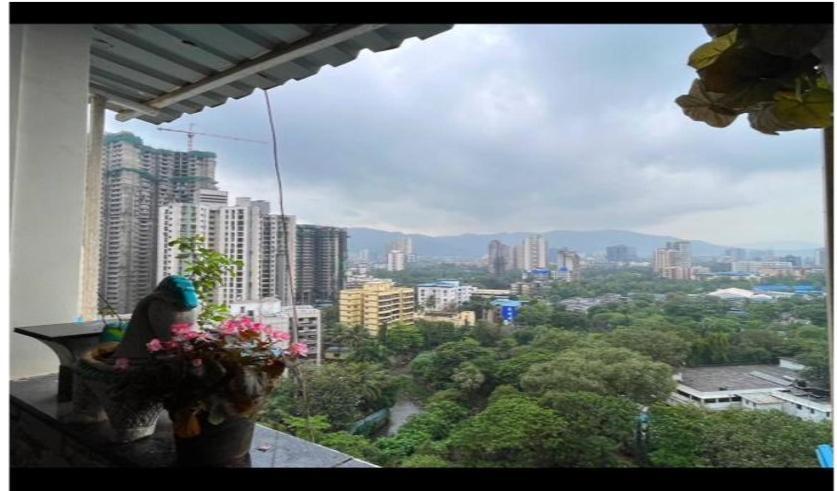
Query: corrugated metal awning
{"x": 157, "y": 72}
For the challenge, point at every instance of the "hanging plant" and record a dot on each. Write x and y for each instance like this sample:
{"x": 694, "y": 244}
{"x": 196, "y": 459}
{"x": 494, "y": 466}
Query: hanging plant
{"x": 772, "y": 72}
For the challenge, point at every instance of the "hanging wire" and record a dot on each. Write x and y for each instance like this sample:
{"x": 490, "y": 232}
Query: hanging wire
{"x": 294, "y": 367}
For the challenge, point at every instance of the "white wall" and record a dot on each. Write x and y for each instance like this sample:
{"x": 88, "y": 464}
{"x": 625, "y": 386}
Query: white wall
{"x": 49, "y": 81}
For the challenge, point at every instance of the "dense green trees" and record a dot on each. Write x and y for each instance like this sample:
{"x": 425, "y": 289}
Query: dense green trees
{"x": 683, "y": 436}
{"x": 605, "y": 371}
{"x": 510, "y": 432}
{"x": 663, "y": 346}
{"x": 565, "y": 388}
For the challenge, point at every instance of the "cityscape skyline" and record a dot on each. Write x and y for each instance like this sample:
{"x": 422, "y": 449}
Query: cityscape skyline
{"x": 549, "y": 150}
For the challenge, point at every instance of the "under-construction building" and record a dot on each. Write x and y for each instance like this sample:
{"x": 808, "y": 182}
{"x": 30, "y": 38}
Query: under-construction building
{"x": 321, "y": 258}
{"x": 138, "y": 180}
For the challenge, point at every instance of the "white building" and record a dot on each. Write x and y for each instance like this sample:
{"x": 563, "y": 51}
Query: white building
{"x": 758, "y": 267}
{"x": 443, "y": 295}
{"x": 751, "y": 387}
{"x": 740, "y": 294}
{"x": 396, "y": 260}
{"x": 271, "y": 312}
{"x": 534, "y": 252}
{"x": 245, "y": 232}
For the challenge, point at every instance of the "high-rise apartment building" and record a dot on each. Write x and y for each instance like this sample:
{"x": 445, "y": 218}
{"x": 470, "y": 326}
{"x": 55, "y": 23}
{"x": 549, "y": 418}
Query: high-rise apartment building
{"x": 278, "y": 270}
{"x": 822, "y": 257}
{"x": 620, "y": 253}
{"x": 500, "y": 258}
{"x": 321, "y": 262}
{"x": 138, "y": 180}
{"x": 396, "y": 260}
{"x": 675, "y": 261}
{"x": 404, "y": 245}
{"x": 376, "y": 305}
{"x": 246, "y": 232}
{"x": 569, "y": 265}
{"x": 534, "y": 252}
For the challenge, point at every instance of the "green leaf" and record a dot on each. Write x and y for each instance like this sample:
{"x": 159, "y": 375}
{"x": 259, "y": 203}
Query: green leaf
{"x": 764, "y": 119}
{"x": 701, "y": 105}
{"x": 813, "y": 111}
{"x": 716, "y": 30}
{"x": 741, "y": 65}
{"x": 707, "y": 53}
{"x": 791, "y": 40}
{"x": 750, "y": 95}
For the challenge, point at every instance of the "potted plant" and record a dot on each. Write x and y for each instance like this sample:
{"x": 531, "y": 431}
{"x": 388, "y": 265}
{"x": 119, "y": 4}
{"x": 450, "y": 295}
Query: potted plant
{"x": 213, "y": 380}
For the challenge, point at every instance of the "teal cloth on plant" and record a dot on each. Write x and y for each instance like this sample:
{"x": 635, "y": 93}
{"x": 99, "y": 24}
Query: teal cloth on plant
{"x": 113, "y": 331}
{"x": 183, "y": 289}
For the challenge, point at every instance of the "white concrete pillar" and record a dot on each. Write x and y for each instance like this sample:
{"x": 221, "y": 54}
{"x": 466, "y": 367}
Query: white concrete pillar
{"x": 49, "y": 81}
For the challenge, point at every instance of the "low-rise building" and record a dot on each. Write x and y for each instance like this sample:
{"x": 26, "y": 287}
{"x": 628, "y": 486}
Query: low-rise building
{"x": 751, "y": 387}
{"x": 377, "y": 304}
{"x": 490, "y": 293}
{"x": 458, "y": 319}
{"x": 442, "y": 295}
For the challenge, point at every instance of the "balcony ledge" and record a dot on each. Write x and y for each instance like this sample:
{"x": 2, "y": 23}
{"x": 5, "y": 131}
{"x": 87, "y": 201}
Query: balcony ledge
{"x": 42, "y": 438}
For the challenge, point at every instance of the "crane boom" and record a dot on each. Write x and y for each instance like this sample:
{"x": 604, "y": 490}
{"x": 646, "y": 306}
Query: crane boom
{"x": 190, "y": 135}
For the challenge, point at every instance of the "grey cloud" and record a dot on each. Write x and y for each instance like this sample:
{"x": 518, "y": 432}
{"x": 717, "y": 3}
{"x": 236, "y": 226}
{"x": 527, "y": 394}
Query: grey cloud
{"x": 488, "y": 128}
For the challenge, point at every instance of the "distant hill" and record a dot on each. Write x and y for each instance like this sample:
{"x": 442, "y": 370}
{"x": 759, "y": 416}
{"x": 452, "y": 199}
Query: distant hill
{"x": 476, "y": 245}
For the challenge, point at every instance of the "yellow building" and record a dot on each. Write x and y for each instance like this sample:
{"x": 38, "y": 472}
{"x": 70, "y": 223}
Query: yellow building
{"x": 377, "y": 304}
{"x": 459, "y": 319}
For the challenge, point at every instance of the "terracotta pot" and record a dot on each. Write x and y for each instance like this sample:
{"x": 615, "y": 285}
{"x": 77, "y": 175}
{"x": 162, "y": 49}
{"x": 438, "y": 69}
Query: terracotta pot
{"x": 216, "y": 445}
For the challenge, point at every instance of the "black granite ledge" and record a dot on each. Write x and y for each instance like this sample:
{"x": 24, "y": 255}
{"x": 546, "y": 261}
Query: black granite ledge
{"x": 41, "y": 437}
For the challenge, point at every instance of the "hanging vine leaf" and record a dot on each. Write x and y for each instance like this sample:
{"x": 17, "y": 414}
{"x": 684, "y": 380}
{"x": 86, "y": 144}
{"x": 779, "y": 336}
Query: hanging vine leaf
{"x": 813, "y": 110}
{"x": 715, "y": 30}
{"x": 764, "y": 120}
{"x": 750, "y": 95}
{"x": 707, "y": 53}
{"x": 791, "y": 40}
{"x": 741, "y": 65}
{"x": 775, "y": 73}
{"x": 700, "y": 105}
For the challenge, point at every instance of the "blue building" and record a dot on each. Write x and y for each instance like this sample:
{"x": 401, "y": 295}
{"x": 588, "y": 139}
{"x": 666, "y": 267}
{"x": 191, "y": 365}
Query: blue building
{"x": 508, "y": 309}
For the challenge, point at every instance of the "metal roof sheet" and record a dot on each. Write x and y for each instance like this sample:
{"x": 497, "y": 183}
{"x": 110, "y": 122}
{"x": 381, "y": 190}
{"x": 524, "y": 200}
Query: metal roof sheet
{"x": 141, "y": 62}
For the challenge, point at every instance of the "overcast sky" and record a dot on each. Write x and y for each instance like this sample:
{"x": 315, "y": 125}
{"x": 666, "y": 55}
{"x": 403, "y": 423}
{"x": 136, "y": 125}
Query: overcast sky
{"x": 516, "y": 128}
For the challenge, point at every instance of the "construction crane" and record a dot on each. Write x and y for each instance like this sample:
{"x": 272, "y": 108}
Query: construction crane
{"x": 190, "y": 136}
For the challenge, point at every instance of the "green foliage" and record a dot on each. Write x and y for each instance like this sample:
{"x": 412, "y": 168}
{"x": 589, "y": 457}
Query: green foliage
{"x": 605, "y": 371}
{"x": 344, "y": 393}
{"x": 354, "y": 445}
{"x": 206, "y": 268}
{"x": 436, "y": 333}
{"x": 403, "y": 340}
{"x": 769, "y": 72}
{"x": 600, "y": 427}
{"x": 510, "y": 432}
{"x": 311, "y": 428}
{"x": 663, "y": 346}
{"x": 685, "y": 436}
{"x": 424, "y": 461}
{"x": 436, "y": 369}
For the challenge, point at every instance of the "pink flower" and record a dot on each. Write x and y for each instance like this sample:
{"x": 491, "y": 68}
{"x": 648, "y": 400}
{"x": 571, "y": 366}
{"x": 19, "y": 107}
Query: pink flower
{"x": 182, "y": 329}
{"x": 299, "y": 349}
{"x": 230, "y": 328}
{"x": 122, "y": 364}
{"x": 197, "y": 362}
{"x": 169, "y": 345}
{"x": 154, "y": 345}
{"x": 278, "y": 335}
{"x": 258, "y": 327}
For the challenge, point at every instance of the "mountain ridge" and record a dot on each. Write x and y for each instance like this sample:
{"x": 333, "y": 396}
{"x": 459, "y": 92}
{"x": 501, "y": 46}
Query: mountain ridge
{"x": 474, "y": 245}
